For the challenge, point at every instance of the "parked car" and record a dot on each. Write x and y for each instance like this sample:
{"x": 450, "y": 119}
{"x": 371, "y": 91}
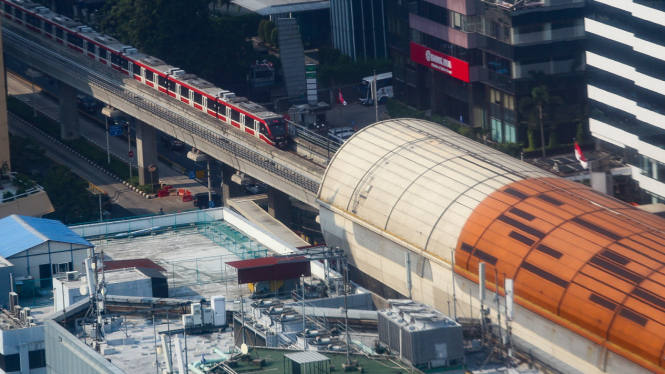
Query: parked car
{"x": 340, "y": 134}
{"x": 172, "y": 143}
{"x": 87, "y": 103}
{"x": 201, "y": 200}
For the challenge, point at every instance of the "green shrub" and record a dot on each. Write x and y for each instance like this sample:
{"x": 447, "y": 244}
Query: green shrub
{"x": 7, "y": 196}
{"x": 262, "y": 27}
{"x": 274, "y": 38}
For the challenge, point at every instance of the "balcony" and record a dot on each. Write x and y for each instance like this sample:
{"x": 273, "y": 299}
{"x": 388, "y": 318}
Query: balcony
{"x": 23, "y": 197}
{"x": 548, "y": 35}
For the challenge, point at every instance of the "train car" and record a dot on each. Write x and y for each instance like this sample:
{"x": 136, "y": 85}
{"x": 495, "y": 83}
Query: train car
{"x": 248, "y": 117}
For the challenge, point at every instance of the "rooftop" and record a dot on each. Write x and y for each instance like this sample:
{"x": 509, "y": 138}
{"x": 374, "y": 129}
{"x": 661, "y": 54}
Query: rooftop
{"x": 19, "y": 233}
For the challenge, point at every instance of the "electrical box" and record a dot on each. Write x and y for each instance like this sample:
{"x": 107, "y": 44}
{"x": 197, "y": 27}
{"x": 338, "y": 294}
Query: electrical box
{"x": 188, "y": 320}
{"x": 207, "y": 316}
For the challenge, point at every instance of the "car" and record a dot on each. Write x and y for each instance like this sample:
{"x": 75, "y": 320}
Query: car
{"x": 172, "y": 143}
{"x": 255, "y": 189}
{"x": 340, "y": 134}
{"x": 201, "y": 200}
{"x": 87, "y": 103}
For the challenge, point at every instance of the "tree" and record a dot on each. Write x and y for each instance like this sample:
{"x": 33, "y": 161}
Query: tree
{"x": 267, "y": 32}
{"x": 539, "y": 110}
{"x": 68, "y": 194}
{"x": 262, "y": 28}
{"x": 221, "y": 3}
{"x": 274, "y": 37}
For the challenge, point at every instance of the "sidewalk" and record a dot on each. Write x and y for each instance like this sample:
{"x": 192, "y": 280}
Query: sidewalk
{"x": 132, "y": 201}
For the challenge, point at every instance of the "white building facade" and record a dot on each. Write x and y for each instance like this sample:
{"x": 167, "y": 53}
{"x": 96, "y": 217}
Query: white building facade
{"x": 626, "y": 85}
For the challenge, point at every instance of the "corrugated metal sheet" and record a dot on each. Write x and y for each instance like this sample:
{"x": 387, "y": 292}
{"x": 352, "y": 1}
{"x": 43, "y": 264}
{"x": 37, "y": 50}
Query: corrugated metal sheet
{"x": 20, "y": 233}
{"x": 269, "y": 7}
{"x": 417, "y": 180}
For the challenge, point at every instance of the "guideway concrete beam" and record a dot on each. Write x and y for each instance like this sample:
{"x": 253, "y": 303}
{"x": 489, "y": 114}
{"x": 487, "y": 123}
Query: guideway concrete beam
{"x": 4, "y": 124}
{"x": 279, "y": 205}
{"x": 69, "y": 113}
{"x": 146, "y": 152}
{"x": 230, "y": 189}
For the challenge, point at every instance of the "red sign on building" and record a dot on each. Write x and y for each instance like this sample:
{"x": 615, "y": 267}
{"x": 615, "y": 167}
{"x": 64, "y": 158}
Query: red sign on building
{"x": 440, "y": 62}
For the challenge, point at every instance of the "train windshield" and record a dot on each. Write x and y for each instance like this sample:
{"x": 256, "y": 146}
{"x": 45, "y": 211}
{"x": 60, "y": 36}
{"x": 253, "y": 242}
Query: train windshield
{"x": 277, "y": 127}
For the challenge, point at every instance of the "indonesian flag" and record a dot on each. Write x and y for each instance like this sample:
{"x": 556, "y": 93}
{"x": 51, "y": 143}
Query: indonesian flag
{"x": 580, "y": 156}
{"x": 341, "y": 98}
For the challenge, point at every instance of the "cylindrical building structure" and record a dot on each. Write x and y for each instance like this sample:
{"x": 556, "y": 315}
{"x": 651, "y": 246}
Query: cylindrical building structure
{"x": 588, "y": 270}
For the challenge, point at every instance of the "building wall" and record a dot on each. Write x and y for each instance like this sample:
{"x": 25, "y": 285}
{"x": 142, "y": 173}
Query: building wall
{"x": 626, "y": 59}
{"x": 6, "y": 268}
{"x": 70, "y": 296}
{"x": 65, "y": 354}
{"x": 27, "y": 263}
{"x": 358, "y": 28}
{"x": 23, "y": 341}
{"x": 382, "y": 257}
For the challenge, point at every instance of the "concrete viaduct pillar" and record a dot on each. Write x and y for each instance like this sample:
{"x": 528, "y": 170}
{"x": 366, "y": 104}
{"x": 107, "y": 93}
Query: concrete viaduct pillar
{"x": 69, "y": 114}
{"x": 146, "y": 152}
{"x": 279, "y": 205}
{"x": 230, "y": 189}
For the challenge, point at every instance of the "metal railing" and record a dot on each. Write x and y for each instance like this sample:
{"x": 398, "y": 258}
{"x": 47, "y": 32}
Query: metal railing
{"x": 80, "y": 72}
{"x": 296, "y": 130}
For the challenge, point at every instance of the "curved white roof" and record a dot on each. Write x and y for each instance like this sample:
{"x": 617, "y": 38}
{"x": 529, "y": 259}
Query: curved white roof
{"x": 417, "y": 180}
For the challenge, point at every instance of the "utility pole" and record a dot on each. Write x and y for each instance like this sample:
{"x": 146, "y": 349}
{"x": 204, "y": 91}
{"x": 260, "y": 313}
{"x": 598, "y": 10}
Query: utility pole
{"x": 108, "y": 148}
{"x": 376, "y": 98}
{"x": 129, "y": 146}
{"x": 209, "y": 183}
{"x": 100, "y": 207}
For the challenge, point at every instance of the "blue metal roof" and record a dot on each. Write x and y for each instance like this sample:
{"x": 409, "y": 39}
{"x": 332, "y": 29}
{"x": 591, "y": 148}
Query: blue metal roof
{"x": 19, "y": 233}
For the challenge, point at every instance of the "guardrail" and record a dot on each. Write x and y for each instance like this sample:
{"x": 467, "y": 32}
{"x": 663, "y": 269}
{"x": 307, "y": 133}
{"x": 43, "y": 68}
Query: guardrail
{"x": 296, "y": 130}
{"x": 80, "y": 72}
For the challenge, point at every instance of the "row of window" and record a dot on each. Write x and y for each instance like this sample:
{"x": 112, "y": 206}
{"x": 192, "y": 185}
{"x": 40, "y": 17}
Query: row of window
{"x": 12, "y": 363}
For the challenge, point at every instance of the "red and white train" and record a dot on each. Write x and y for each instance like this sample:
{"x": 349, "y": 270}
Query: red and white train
{"x": 153, "y": 72}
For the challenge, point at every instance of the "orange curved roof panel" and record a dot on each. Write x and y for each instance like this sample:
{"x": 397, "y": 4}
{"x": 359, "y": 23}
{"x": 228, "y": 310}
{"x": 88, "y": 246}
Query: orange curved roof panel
{"x": 591, "y": 260}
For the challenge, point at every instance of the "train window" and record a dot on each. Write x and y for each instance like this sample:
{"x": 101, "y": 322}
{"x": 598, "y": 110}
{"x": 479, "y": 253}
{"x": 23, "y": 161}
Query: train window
{"x": 103, "y": 54}
{"x": 198, "y": 98}
{"x": 235, "y": 115}
{"x": 212, "y": 105}
{"x": 149, "y": 75}
{"x": 125, "y": 63}
{"x": 58, "y": 33}
{"x": 172, "y": 87}
{"x": 162, "y": 81}
{"x": 184, "y": 92}
{"x": 136, "y": 69}
{"x": 73, "y": 39}
{"x": 91, "y": 48}
{"x": 18, "y": 14}
{"x": 48, "y": 28}
{"x": 263, "y": 130}
{"x": 6, "y": 8}
{"x": 34, "y": 21}
{"x": 115, "y": 59}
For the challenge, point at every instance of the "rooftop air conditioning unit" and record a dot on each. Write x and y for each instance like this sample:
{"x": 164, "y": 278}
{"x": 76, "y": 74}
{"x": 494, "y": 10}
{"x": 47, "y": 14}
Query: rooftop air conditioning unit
{"x": 42, "y": 10}
{"x": 130, "y": 50}
{"x": 228, "y": 95}
{"x": 73, "y": 276}
{"x": 84, "y": 29}
{"x": 13, "y": 301}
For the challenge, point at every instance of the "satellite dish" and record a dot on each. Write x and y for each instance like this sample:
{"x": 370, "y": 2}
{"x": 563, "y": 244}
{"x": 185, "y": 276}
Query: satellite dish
{"x": 83, "y": 289}
{"x": 244, "y": 349}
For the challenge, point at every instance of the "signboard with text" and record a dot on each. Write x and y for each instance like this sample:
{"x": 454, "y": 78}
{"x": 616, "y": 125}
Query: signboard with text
{"x": 440, "y": 62}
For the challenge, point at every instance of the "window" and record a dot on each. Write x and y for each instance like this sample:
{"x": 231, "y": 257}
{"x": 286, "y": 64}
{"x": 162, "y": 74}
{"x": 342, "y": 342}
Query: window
{"x": 75, "y": 40}
{"x": 136, "y": 69}
{"x": 497, "y": 131}
{"x": 6, "y": 8}
{"x": 59, "y": 34}
{"x": 235, "y": 115}
{"x": 511, "y": 136}
{"x": 37, "y": 359}
{"x": 198, "y": 98}
{"x": 263, "y": 130}
{"x": 103, "y": 54}
{"x": 212, "y": 105}
{"x": 162, "y": 81}
{"x": 48, "y": 28}
{"x": 184, "y": 92}
{"x": 125, "y": 63}
{"x": 9, "y": 363}
{"x": 18, "y": 14}
{"x": 172, "y": 86}
{"x": 91, "y": 48}
{"x": 149, "y": 75}
{"x": 62, "y": 267}
{"x": 115, "y": 59}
